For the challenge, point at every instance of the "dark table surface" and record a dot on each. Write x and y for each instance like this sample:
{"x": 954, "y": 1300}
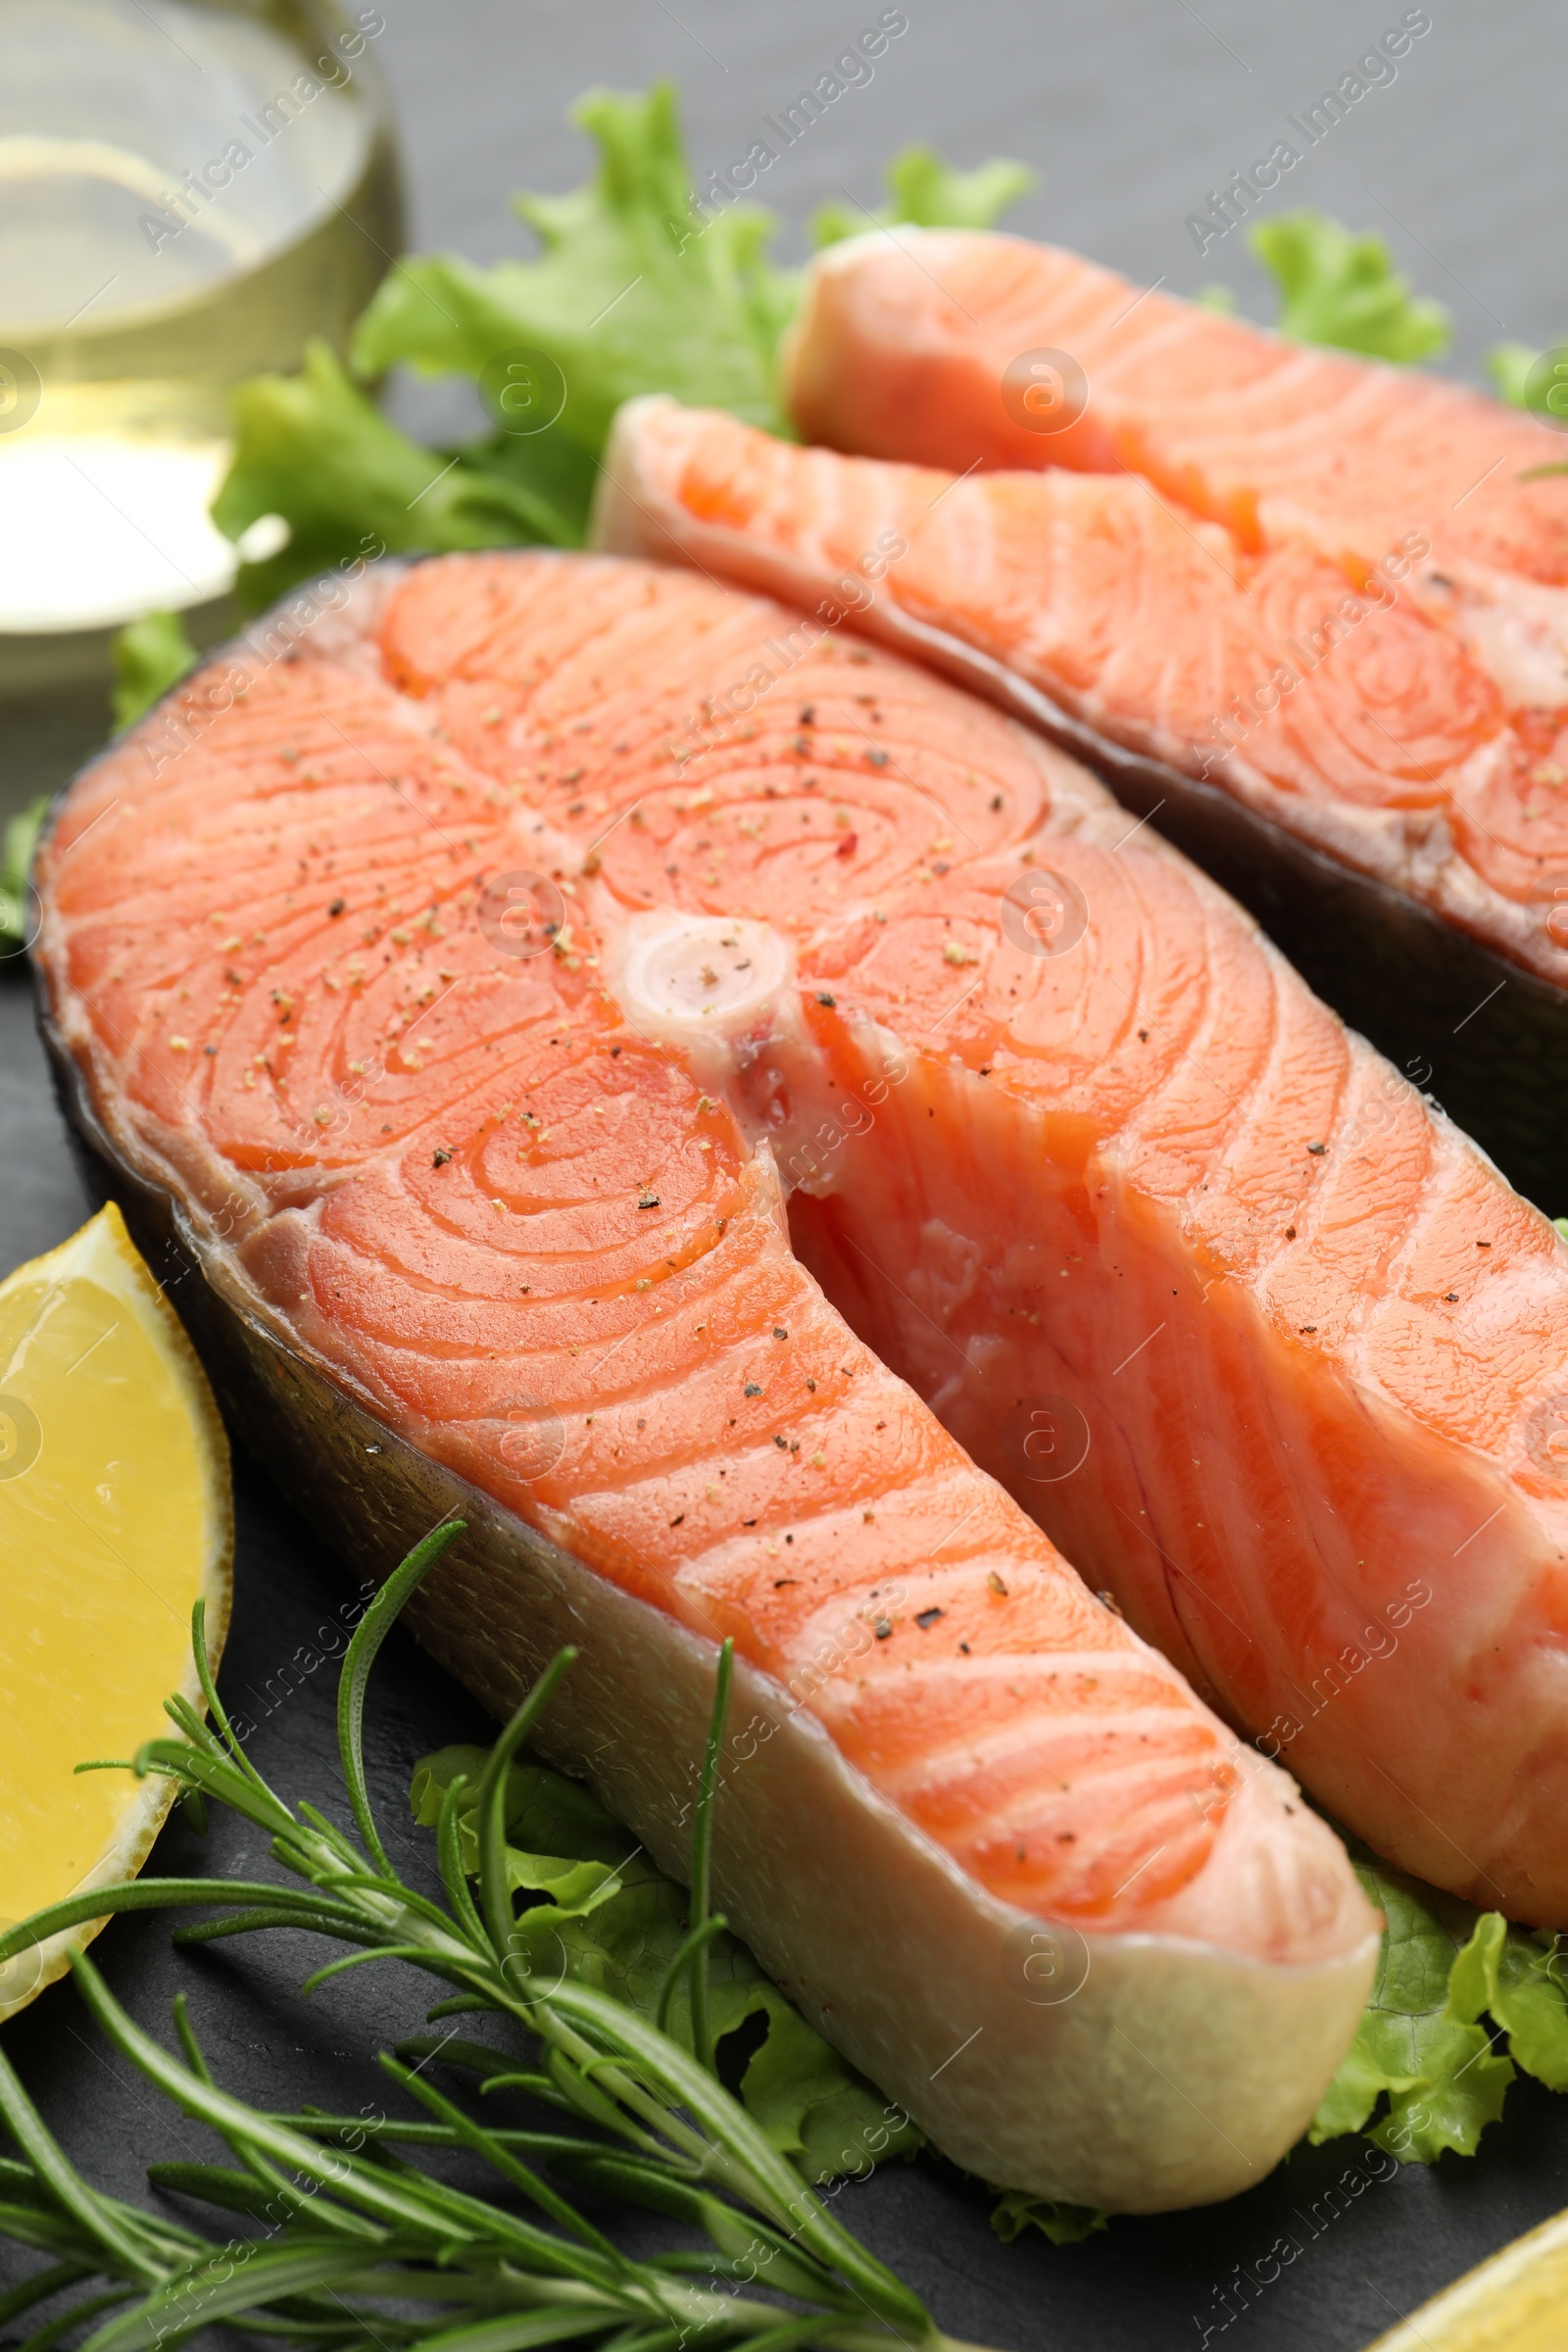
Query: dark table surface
{"x": 1130, "y": 111}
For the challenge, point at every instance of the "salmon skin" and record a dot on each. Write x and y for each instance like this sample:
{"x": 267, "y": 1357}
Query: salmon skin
{"x": 1400, "y": 596}
{"x": 1309, "y": 1343}
{"x": 411, "y": 979}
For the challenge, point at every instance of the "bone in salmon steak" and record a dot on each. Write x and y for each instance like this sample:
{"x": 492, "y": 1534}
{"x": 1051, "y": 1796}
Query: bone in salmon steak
{"x": 334, "y": 974}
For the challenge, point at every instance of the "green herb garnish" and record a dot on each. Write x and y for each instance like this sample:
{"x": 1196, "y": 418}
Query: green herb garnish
{"x": 315, "y": 450}
{"x": 636, "y": 290}
{"x": 359, "y": 2235}
{"x": 150, "y": 656}
{"x": 1509, "y": 367}
{"x": 614, "y": 1920}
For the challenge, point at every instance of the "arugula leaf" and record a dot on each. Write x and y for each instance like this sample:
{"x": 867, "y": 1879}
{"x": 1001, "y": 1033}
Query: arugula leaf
{"x": 616, "y": 1923}
{"x": 635, "y": 290}
{"x": 18, "y": 842}
{"x": 1063, "y": 2225}
{"x": 315, "y": 450}
{"x": 1344, "y": 290}
{"x": 930, "y": 194}
{"x": 149, "y": 655}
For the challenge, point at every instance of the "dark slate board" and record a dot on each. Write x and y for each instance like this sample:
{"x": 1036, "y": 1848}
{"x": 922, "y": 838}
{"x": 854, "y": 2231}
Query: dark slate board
{"x": 1130, "y": 111}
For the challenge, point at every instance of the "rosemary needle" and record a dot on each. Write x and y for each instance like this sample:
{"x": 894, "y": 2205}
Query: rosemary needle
{"x": 355, "y": 2235}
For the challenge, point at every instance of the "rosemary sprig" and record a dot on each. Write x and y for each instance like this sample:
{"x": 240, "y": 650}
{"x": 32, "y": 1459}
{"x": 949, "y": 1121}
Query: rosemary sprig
{"x": 357, "y": 2234}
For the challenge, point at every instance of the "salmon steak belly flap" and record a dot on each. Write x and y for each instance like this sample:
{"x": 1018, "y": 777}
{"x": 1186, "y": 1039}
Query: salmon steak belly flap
{"x": 463, "y": 1029}
{"x": 1364, "y": 570}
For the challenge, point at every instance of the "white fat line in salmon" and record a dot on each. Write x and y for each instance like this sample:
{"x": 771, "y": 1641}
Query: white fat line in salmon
{"x": 1237, "y": 1228}
{"x": 1382, "y": 1641}
{"x": 850, "y": 593}
{"x": 1229, "y": 727}
{"x": 1379, "y": 1110}
{"x": 179, "y": 206}
{"x": 189, "y": 713}
{"x": 851, "y": 69}
{"x": 1374, "y": 69}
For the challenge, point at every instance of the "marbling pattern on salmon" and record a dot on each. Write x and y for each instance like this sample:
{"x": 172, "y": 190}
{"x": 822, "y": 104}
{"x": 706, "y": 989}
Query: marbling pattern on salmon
{"x": 1312, "y": 470}
{"x": 533, "y": 1228}
{"x": 1363, "y": 1331}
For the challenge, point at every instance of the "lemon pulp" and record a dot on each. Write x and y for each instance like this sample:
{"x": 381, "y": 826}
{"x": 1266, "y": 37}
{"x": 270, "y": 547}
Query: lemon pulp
{"x": 114, "y": 1516}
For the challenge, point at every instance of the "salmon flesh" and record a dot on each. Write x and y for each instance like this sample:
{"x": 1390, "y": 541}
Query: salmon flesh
{"x": 1340, "y": 598}
{"x": 1314, "y": 1345}
{"x": 467, "y": 998}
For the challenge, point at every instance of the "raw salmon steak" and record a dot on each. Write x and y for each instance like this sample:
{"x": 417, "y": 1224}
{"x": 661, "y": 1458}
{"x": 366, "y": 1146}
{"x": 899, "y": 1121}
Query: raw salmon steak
{"x": 1386, "y": 574}
{"x": 918, "y": 345}
{"x": 1310, "y": 1346}
{"x": 410, "y": 976}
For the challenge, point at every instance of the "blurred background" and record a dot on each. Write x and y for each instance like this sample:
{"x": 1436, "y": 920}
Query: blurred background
{"x": 1130, "y": 111}
{"x": 147, "y": 262}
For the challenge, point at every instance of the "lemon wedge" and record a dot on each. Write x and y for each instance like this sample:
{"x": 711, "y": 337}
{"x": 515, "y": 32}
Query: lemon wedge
{"x": 1517, "y": 2301}
{"x": 114, "y": 1516}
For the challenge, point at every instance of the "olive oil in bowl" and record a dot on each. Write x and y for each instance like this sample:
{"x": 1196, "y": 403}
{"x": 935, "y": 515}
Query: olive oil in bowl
{"x": 188, "y": 193}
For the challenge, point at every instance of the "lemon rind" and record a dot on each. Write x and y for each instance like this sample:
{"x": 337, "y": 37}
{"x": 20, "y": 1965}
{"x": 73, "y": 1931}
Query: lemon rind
{"x": 1512, "y": 2302}
{"x": 102, "y": 1250}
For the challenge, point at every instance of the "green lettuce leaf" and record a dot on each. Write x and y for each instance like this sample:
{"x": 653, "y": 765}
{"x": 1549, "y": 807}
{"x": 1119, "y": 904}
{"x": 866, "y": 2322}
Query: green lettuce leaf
{"x": 1344, "y": 290}
{"x": 929, "y": 193}
{"x": 149, "y": 655}
{"x": 1508, "y": 365}
{"x": 17, "y": 841}
{"x": 312, "y": 449}
{"x": 1063, "y": 2225}
{"x": 1512, "y": 367}
{"x": 1517, "y": 1977}
{"x": 615, "y": 1922}
{"x": 812, "y": 2105}
{"x": 640, "y": 287}
{"x": 1422, "y": 2044}
{"x": 637, "y": 289}
{"x": 554, "y": 473}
